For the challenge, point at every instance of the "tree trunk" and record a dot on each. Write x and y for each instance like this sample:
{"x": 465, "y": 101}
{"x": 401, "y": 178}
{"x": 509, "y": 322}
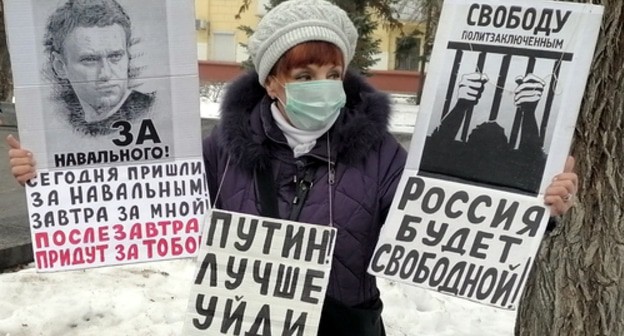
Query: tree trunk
{"x": 431, "y": 9}
{"x": 6, "y": 80}
{"x": 577, "y": 284}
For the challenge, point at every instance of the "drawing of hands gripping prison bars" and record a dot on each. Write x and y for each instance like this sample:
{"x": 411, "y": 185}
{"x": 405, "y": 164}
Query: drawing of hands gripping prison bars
{"x": 527, "y": 94}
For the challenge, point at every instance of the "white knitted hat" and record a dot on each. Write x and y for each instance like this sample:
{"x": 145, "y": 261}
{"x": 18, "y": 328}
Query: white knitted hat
{"x": 296, "y": 21}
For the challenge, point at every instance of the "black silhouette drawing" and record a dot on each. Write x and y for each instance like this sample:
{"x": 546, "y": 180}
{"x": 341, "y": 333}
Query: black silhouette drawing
{"x": 498, "y": 142}
{"x": 486, "y": 155}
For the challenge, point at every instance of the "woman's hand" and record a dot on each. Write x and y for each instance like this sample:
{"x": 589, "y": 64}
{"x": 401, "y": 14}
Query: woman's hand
{"x": 21, "y": 161}
{"x": 560, "y": 193}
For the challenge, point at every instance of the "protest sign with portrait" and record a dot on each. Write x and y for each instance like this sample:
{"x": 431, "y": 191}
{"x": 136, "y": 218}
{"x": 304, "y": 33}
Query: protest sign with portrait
{"x": 107, "y": 100}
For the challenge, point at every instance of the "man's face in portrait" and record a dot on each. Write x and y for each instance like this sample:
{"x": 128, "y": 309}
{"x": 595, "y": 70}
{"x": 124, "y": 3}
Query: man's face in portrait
{"x": 95, "y": 61}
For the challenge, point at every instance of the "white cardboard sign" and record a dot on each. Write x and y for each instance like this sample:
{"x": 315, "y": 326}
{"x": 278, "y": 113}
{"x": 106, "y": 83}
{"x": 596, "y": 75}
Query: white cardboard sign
{"x": 107, "y": 100}
{"x": 259, "y": 276}
{"x": 461, "y": 240}
{"x": 497, "y": 117}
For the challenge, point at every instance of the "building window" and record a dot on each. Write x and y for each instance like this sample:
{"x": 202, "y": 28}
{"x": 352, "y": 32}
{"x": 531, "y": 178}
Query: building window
{"x": 262, "y": 4}
{"x": 407, "y": 53}
{"x": 223, "y": 47}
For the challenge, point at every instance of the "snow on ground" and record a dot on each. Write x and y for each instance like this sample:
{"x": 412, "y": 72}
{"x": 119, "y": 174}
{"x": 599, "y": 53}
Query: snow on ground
{"x": 151, "y": 298}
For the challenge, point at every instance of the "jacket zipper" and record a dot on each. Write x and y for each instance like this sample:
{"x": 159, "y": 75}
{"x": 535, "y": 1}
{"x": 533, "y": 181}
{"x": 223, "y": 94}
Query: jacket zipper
{"x": 301, "y": 194}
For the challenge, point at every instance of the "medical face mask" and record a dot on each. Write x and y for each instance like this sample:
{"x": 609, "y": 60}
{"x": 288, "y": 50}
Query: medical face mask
{"x": 312, "y": 105}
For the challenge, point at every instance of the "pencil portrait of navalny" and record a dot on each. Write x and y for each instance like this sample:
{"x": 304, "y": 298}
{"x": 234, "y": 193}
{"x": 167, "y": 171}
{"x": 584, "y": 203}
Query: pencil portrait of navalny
{"x": 87, "y": 46}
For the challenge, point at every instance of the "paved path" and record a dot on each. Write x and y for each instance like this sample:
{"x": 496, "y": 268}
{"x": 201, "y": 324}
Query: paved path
{"x": 15, "y": 246}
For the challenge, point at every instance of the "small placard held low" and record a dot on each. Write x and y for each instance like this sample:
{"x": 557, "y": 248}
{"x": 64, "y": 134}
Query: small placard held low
{"x": 259, "y": 276}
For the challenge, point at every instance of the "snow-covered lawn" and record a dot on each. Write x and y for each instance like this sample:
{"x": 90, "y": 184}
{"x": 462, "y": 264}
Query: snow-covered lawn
{"x": 151, "y": 298}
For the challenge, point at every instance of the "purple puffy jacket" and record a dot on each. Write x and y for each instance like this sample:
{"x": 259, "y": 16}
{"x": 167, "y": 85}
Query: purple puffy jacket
{"x": 366, "y": 162}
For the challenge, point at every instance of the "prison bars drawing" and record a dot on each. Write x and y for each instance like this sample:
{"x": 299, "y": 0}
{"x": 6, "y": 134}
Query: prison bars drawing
{"x": 508, "y": 53}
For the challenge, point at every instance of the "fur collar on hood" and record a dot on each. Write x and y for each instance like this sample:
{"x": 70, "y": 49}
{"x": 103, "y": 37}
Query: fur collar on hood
{"x": 361, "y": 126}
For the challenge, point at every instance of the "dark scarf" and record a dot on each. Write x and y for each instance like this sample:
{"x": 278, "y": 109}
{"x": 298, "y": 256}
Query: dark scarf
{"x": 361, "y": 126}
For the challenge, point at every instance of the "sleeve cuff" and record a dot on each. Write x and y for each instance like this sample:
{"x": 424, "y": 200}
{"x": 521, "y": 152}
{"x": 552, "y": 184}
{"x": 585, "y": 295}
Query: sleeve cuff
{"x": 552, "y": 224}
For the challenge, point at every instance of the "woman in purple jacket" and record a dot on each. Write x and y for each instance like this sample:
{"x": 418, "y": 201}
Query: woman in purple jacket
{"x": 313, "y": 138}
{"x": 318, "y": 134}
{"x": 302, "y": 138}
